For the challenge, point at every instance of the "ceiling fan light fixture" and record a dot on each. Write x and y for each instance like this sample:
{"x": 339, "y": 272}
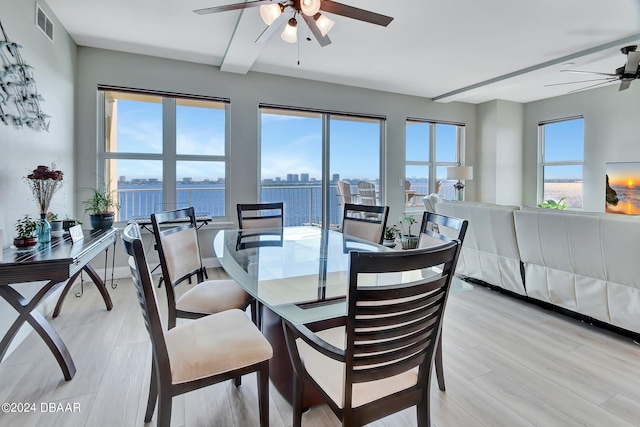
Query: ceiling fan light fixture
{"x": 270, "y": 12}
{"x": 310, "y": 7}
{"x": 290, "y": 33}
{"x": 324, "y": 24}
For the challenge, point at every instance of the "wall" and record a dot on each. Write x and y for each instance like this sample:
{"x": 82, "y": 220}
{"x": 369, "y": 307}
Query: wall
{"x": 97, "y": 66}
{"x": 23, "y": 149}
{"x": 611, "y": 134}
{"x": 500, "y": 140}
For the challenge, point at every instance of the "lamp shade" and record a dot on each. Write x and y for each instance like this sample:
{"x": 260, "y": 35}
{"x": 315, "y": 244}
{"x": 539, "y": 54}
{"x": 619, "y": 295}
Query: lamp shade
{"x": 290, "y": 33}
{"x": 310, "y": 7}
{"x": 324, "y": 24}
{"x": 270, "y": 12}
{"x": 460, "y": 172}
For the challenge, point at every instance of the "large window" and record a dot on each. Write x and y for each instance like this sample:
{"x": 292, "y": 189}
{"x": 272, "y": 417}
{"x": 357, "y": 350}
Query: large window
{"x": 163, "y": 152}
{"x": 304, "y": 154}
{"x": 561, "y": 155}
{"x": 431, "y": 147}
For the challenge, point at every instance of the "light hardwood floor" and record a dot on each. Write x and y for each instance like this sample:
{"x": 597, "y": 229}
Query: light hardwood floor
{"x": 507, "y": 363}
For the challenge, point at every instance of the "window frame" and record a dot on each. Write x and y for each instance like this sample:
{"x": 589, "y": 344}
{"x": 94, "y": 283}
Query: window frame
{"x": 541, "y": 157}
{"x": 169, "y": 156}
{"x": 432, "y": 163}
{"x": 326, "y": 117}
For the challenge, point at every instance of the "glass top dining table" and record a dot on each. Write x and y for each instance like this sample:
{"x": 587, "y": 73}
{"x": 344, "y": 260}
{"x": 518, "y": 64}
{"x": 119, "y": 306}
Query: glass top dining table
{"x": 301, "y": 273}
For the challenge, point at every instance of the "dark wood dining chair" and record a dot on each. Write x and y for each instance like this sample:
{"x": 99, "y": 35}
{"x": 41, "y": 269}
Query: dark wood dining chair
{"x": 435, "y": 229}
{"x": 260, "y": 215}
{"x": 195, "y": 354}
{"x": 364, "y": 221}
{"x": 176, "y": 235}
{"x": 365, "y": 367}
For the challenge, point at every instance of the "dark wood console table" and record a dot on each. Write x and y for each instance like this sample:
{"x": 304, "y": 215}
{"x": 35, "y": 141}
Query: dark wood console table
{"x": 52, "y": 263}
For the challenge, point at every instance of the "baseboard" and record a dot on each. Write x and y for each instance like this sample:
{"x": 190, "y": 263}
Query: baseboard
{"x": 566, "y": 312}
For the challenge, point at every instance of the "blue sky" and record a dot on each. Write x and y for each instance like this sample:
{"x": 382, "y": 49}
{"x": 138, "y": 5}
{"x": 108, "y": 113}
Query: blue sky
{"x": 289, "y": 143}
{"x": 564, "y": 141}
{"x": 293, "y": 144}
{"x": 198, "y": 131}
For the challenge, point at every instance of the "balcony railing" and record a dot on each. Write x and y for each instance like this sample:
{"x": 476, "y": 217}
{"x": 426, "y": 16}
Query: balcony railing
{"x": 303, "y": 203}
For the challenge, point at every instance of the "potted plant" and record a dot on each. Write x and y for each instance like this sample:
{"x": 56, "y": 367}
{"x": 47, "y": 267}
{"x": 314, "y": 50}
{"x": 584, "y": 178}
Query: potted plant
{"x": 25, "y": 233}
{"x": 552, "y": 204}
{"x": 389, "y": 236}
{"x": 56, "y": 225}
{"x": 408, "y": 240}
{"x": 101, "y": 207}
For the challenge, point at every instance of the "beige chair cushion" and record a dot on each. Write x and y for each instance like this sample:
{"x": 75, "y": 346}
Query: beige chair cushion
{"x": 215, "y": 344}
{"x": 370, "y": 231}
{"x": 213, "y": 296}
{"x": 329, "y": 373}
{"x": 181, "y": 252}
{"x": 259, "y": 222}
{"x": 427, "y": 241}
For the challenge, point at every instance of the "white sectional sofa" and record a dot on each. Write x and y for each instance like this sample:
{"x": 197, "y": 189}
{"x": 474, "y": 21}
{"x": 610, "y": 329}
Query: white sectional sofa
{"x": 587, "y": 263}
{"x": 490, "y": 251}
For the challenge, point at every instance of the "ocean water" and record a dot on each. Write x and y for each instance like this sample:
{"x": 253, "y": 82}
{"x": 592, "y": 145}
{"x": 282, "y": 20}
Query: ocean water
{"x": 571, "y": 191}
{"x": 302, "y": 202}
{"x": 628, "y": 200}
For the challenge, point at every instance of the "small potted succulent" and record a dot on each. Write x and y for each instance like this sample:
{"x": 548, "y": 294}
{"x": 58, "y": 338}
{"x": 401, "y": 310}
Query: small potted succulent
{"x": 25, "y": 233}
{"x": 408, "y": 240}
{"x": 56, "y": 225}
{"x": 389, "y": 236}
{"x": 101, "y": 207}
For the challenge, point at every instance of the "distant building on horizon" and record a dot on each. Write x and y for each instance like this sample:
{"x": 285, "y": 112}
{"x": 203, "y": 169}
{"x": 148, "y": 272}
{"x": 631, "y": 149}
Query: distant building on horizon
{"x": 335, "y": 177}
{"x": 304, "y": 177}
{"x": 293, "y": 177}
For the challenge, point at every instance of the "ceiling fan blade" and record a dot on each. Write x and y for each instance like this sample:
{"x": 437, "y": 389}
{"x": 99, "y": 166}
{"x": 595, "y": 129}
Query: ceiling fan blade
{"x": 271, "y": 29}
{"x": 355, "y": 13}
{"x": 322, "y": 40}
{"x": 624, "y": 85}
{"x": 234, "y": 6}
{"x": 581, "y": 81}
{"x": 589, "y": 87}
{"x": 588, "y": 72}
{"x": 633, "y": 60}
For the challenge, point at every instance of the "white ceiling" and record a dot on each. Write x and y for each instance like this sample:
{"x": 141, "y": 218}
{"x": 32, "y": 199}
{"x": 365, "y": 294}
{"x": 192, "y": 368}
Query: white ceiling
{"x": 451, "y": 50}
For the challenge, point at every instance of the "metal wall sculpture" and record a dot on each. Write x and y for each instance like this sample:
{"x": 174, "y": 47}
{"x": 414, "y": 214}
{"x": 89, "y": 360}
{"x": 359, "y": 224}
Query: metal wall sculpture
{"x": 19, "y": 97}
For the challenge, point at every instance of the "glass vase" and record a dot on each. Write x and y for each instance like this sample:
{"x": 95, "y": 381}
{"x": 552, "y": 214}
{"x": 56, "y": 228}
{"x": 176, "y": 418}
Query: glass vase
{"x": 43, "y": 230}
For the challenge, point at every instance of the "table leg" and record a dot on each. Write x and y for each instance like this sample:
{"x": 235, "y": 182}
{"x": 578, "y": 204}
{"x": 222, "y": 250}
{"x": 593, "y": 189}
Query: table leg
{"x": 27, "y": 313}
{"x": 280, "y": 367}
{"x": 102, "y": 288}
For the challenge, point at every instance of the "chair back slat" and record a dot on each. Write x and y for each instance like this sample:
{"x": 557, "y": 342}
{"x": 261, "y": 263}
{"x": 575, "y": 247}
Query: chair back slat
{"x": 380, "y": 355}
{"x": 394, "y": 328}
{"x": 386, "y": 371}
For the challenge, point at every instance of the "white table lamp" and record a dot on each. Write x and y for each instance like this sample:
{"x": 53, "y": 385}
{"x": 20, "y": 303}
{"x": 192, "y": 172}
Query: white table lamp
{"x": 460, "y": 173}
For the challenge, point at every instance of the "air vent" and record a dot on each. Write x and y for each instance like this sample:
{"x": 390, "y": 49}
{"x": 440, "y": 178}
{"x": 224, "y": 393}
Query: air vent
{"x": 44, "y": 23}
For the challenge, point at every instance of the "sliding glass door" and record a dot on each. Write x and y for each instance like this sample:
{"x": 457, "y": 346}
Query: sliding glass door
{"x": 304, "y": 154}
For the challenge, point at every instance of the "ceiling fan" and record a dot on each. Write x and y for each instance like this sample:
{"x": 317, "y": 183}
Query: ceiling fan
{"x": 626, "y": 74}
{"x": 275, "y": 13}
